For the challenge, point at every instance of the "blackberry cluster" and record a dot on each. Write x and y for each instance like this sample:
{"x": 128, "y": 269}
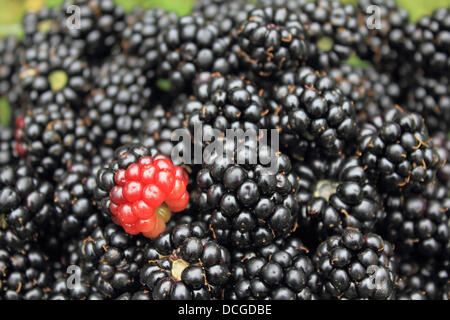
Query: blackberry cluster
{"x": 193, "y": 45}
{"x": 116, "y": 104}
{"x": 315, "y": 110}
{"x": 279, "y": 271}
{"x": 251, "y": 204}
{"x": 430, "y": 97}
{"x": 222, "y": 103}
{"x": 382, "y": 25}
{"x": 101, "y": 23}
{"x": 260, "y": 150}
{"x": 372, "y": 92}
{"x": 25, "y": 274}
{"x": 419, "y": 222}
{"x": 52, "y": 135}
{"x": 423, "y": 282}
{"x": 9, "y": 47}
{"x": 111, "y": 261}
{"x": 185, "y": 264}
{"x": 272, "y": 40}
{"x": 356, "y": 265}
{"x": 54, "y": 74}
{"x": 140, "y": 36}
{"x": 397, "y": 152}
{"x": 25, "y": 205}
{"x": 335, "y": 196}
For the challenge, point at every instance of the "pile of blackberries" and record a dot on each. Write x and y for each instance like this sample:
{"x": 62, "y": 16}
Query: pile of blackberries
{"x": 335, "y": 185}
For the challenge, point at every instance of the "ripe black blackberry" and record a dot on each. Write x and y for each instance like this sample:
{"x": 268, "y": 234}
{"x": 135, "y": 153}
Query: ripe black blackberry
{"x": 25, "y": 205}
{"x": 111, "y": 261}
{"x": 423, "y": 280}
{"x": 45, "y": 25}
{"x": 52, "y": 135}
{"x": 430, "y": 97}
{"x": 186, "y": 264}
{"x": 356, "y": 265}
{"x": 7, "y": 153}
{"x": 229, "y": 13}
{"x": 121, "y": 93}
{"x": 371, "y": 91}
{"x": 280, "y": 271}
{"x": 441, "y": 141}
{"x": 418, "y": 223}
{"x": 314, "y": 109}
{"x": 381, "y": 27}
{"x": 191, "y": 46}
{"x": 248, "y": 205}
{"x": 101, "y": 23}
{"x": 427, "y": 42}
{"x": 9, "y": 49}
{"x": 334, "y": 196}
{"x": 272, "y": 40}
{"x": 159, "y": 128}
{"x": 224, "y": 102}
{"x": 53, "y": 74}
{"x": 397, "y": 152}
{"x": 141, "y": 33}
{"x": 76, "y": 215}
{"x": 25, "y": 274}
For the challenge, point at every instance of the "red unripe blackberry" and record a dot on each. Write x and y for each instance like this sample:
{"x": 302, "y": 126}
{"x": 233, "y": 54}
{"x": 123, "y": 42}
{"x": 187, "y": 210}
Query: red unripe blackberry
{"x": 141, "y": 190}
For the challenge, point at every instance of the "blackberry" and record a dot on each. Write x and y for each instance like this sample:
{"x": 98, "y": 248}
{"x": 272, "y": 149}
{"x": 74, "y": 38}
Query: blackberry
{"x": 372, "y": 92}
{"x": 279, "y": 271}
{"x": 356, "y": 265}
{"x": 9, "y": 49}
{"x": 229, "y": 13}
{"x": 75, "y": 212}
{"x": 272, "y": 40}
{"x": 7, "y": 153}
{"x": 53, "y": 74}
{"x": 334, "y": 196}
{"x": 427, "y": 42}
{"x": 25, "y": 274}
{"x": 397, "y": 152}
{"x": 191, "y": 46}
{"x": 222, "y": 103}
{"x": 111, "y": 260}
{"x": 141, "y": 33}
{"x": 52, "y": 135}
{"x": 101, "y": 23}
{"x": 443, "y": 144}
{"x": 423, "y": 280}
{"x": 333, "y": 27}
{"x": 44, "y": 26}
{"x": 382, "y": 32}
{"x": 140, "y": 189}
{"x": 118, "y": 100}
{"x": 430, "y": 97}
{"x": 186, "y": 264}
{"x": 25, "y": 204}
{"x": 418, "y": 223}
{"x": 312, "y": 108}
{"x": 159, "y": 128}
{"x": 248, "y": 205}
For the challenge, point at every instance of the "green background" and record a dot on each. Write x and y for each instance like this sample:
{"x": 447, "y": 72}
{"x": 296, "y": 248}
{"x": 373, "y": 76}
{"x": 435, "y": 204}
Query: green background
{"x": 11, "y": 12}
